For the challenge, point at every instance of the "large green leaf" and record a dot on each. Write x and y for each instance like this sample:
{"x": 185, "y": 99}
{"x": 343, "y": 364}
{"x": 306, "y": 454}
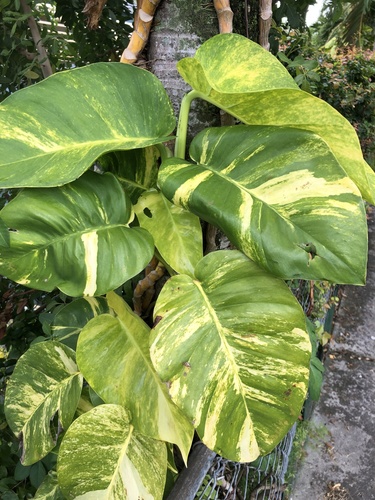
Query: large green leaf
{"x": 231, "y": 345}
{"x": 177, "y": 233}
{"x": 113, "y": 355}
{"x": 49, "y": 489}
{"x": 4, "y": 235}
{"x": 53, "y": 131}
{"x": 248, "y": 82}
{"x": 137, "y": 169}
{"x": 103, "y": 458}
{"x": 70, "y": 320}
{"x": 45, "y": 382}
{"x": 280, "y": 196}
{"x": 75, "y": 237}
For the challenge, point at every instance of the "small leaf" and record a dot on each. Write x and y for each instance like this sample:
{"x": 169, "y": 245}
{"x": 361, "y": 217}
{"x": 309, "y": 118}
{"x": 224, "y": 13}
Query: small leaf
{"x": 49, "y": 489}
{"x": 137, "y": 169}
{"x": 45, "y": 382}
{"x": 75, "y": 237}
{"x": 102, "y": 457}
{"x": 70, "y": 320}
{"x": 123, "y": 374}
{"x": 177, "y": 233}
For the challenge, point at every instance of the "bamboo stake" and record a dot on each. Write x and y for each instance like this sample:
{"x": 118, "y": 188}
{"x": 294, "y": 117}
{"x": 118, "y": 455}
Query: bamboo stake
{"x": 224, "y": 15}
{"x": 42, "y": 53}
{"x": 265, "y": 21}
{"x": 142, "y": 24}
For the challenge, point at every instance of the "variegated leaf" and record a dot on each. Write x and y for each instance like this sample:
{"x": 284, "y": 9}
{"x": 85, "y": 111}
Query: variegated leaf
{"x": 70, "y": 320}
{"x": 52, "y": 132}
{"x": 4, "y": 235}
{"x": 177, "y": 233}
{"x": 113, "y": 356}
{"x": 137, "y": 169}
{"x": 232, "y": 347}
{"x": 245, "y": 80}
{"x": 45, "y": 382}
{"x": 102, "y": 457}
{"x": 75, "y": 237}
{"x": 280, "y": 196}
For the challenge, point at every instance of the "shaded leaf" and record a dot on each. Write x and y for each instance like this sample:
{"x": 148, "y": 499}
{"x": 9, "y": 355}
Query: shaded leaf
{"x": 177, "y": 233}
{"x": 137, "y": 169}
{"x": 45, "y": 382}
{"x": 4, "y": 235}
{"x": 245, "y": 80}
{"x": 232, "y": 347}
{"x": 102, "y": 457}
{"x": 274, "y": 192}
{"x": 49, "y": 489}
{"x": 113, "y": 355}
{"x": 70, "y": 320}
{"x": 119, "y": 106}
{"x": 75, "y": 237}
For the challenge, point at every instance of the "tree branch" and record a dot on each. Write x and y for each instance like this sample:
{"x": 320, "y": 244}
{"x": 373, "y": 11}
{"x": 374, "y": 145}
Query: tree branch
{"x": 265, "y": 21}
{"x": 42, "y": 53}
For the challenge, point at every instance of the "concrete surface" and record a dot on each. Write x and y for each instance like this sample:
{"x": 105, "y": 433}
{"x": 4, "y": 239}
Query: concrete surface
{"x": 340, "y": 459}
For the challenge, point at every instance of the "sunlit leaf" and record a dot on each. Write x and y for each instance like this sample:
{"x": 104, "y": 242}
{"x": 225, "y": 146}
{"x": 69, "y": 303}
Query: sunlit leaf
{"x": 232, "y": 347}
{"x": 113, "y": 355}
{"x": 177, "y": 233}
{"x": 53, "y": 131}
{"x": 75, "y": 237}
{"x": 279, "y": 195}
{"x": 102, "y": 457}
{"x": 45, "y": 382}
{"x": 245, "y": 80}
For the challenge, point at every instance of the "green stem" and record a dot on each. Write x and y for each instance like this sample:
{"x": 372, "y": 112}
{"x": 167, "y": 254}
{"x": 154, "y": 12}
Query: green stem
{"x": 164, "y": 151}
{"x": 180, "y": 144}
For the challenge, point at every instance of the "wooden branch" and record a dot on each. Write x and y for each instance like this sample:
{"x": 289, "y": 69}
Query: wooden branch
{"x": 224, "y": 15}
{"x": 42, "y": 53}
{"x": 93, "y": 10}
{"x": 143, "y": 18}
{"x": 265, "y": 21}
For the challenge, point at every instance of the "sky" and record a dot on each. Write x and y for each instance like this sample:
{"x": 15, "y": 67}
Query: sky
{"x": 313, "y": 12}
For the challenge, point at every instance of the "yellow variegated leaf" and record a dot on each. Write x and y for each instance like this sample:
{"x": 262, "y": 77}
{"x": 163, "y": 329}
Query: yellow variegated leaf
{"x": 280, "y": 196}
{"x": 52, "y": 132}
{"x": 245, "y": 80}
{"x": 177, "y": 233}
{"x": 232, "y": 347}
{"x": 102, "y": 457}
{"x": 122, "y": 373}
{"x": 45, "y": 382}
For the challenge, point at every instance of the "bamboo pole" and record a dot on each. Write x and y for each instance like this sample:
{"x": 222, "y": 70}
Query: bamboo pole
{"x": 265, "y": 21}
{"x": 224, "y": 15}
{"x": 142, "y": 24}
{"x": 42, "y": 53}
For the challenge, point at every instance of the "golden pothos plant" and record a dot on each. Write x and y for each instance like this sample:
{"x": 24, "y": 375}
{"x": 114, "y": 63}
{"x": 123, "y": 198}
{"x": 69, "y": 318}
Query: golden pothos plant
{"x": 228, "y": 355}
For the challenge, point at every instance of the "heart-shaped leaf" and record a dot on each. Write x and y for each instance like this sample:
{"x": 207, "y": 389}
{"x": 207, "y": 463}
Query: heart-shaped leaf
{"x": 137, "y": 169}
{"x": 45, "y": 382}
{"x": 279, "y": 195}
{"x": 113, "y": 355}
{"x": 177, "y": 233}
{"x": 232, "y": 347}
{"x": 70, "y": 320}
{"x": 245, "y": 80}
{"x": 75, "y": 237}
{"x": 103, "y": 458}
{"x": 52, "y": 132}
